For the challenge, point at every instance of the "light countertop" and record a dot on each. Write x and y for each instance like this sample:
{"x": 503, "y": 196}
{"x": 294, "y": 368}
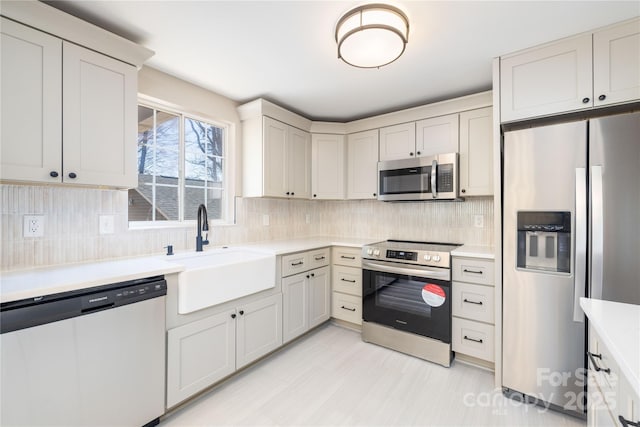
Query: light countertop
{"x": 470, "y": 251}
{"x": 618, "y": 325}
{"x": 24, "y": 284}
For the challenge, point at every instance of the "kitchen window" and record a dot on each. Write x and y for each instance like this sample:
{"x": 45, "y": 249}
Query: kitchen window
{"x": 182, "y": 163}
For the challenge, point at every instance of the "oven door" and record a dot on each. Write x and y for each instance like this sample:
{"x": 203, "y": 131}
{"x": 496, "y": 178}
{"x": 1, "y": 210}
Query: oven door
{"x": 409, "y": 298}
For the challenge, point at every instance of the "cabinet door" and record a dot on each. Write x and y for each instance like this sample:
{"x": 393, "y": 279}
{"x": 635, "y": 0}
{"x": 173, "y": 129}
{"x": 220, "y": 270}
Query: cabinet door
{"x": 319, "y": 296}
{"x": 99, "y": 119}
{"x": 295, "y": 307}
{"x": 549, "y": 79}
{"x": 274, "y": 151}
{"x": 616, "y": 64}
{"x": 299, "y": 164}
{"x": 327, "y": 166}
{"x": 258, "y": 329}
{"x": 199, "y": 354}
{"x": 476, "y": 152}
{"x": 398, "y": 142}
{"x": 31, "y": 91}
{"x": 437, "y": 135}
{"x": 362, "y": 165}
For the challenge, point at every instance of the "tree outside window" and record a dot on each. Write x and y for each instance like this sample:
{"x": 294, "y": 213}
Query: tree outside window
{"x": 181, "y": 163}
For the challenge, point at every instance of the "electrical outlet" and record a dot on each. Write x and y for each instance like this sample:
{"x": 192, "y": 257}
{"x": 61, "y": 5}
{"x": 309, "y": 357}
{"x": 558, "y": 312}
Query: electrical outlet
{"x": 478, "y": 221}
{"x": 33, "y": 225}
{"x": 106, "y": 224}
{"x": 265, "y": 219}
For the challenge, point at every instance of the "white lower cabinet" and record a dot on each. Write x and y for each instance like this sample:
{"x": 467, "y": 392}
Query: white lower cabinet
{"x": 203, "y": 352}
{"x": 346, "y": 284}
{"x": 610, "y": 397}
{"x": 473, "y": 309}
{"x": 306, "y": 301}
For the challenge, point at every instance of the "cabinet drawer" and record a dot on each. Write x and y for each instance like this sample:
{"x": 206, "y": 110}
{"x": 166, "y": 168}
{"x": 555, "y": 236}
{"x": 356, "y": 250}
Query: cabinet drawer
{"x": 473, "y": 270}
{"x": 350, "y": 257}
{"x": 295, "y": 263}
{"x": 347, "y": 280}
{"x": 318, "y": 258}
{"x": 473, "y": 339}
{"x": 346, "y": 307}
{"x": 474, "y": 302}
{"x": 608, "y": 376}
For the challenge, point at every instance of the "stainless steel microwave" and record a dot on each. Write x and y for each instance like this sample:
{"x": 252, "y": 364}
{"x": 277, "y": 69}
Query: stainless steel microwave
{"x": 419, "y": 178}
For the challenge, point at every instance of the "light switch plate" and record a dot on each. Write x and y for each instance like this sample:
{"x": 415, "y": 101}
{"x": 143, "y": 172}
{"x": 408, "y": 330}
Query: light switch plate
{"x": 106, "y": 224}
{"x": 478, "y": 221}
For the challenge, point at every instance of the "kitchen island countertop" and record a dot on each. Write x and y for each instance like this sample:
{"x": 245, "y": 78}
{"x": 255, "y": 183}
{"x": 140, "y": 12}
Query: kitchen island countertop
{"x": 618, "y": 325}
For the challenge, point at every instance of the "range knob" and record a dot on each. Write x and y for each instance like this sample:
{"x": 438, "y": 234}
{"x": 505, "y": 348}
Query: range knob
{"x": 369, "y": 251}
{"x": 427, "y": 257}
{"x": 436, "y": 258}
{"x": 376, "y": 252}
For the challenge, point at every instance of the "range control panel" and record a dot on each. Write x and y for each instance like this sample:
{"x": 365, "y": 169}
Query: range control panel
{"x": 427, "y": 254}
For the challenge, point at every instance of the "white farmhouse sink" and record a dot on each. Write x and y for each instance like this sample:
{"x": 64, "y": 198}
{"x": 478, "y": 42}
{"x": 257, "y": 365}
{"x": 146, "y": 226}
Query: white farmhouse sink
{"x": 220, "y": 275}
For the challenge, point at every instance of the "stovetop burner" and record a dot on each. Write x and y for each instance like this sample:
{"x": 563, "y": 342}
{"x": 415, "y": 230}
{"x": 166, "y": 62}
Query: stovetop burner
{"x": 432, "y": 254}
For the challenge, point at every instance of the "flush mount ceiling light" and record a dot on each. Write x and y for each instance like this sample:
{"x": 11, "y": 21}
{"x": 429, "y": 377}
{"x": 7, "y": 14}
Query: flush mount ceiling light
{"x": 372, "y": 35}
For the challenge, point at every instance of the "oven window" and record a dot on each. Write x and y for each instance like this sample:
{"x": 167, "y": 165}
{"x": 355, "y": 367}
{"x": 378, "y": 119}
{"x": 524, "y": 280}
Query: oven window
{"x": 401, "y": 293}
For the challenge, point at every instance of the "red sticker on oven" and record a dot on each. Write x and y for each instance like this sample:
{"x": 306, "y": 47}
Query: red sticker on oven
{"x": 433, "y": 295}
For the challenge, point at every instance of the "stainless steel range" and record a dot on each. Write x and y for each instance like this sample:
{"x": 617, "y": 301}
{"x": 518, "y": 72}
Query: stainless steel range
{"x": 406, "y": 298}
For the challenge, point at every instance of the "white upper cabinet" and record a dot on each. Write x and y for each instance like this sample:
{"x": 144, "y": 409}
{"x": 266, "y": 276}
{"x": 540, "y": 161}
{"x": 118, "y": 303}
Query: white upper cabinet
{"x": 299, "y": 164}
{"x": 437, "y": 135}
{"x": 362, "y": 165}
{"x": 99, "y": 120}
{"x": 31, "y": 92}
{"x": 476, "y": 152}
{"x": 277, "y": 161}
{"x": 68, "y": 113}
{"x": 573, "y": 74}
{"x": 398, "y": 142}
{"x": 616, "y": 64}
{"x": 328, "y": 153}
{"x": 549, "y": 79}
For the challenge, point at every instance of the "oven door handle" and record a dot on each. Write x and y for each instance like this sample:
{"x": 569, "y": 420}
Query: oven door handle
{"x": 433, "y": 274}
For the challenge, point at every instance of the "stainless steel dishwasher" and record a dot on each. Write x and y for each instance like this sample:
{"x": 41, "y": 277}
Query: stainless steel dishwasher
{"x": 85, "y": 358}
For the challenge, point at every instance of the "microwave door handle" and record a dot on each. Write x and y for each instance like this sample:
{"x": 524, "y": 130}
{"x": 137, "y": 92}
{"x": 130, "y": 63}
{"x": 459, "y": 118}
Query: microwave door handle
{"x": 579, "y": 276}
{"x": 434, "y": 173}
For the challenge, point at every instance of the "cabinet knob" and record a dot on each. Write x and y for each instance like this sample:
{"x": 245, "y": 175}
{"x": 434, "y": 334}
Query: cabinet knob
{"x": 315, "y": 195}
{"x": 307, "y": 276}
{"x": 585, "y": 100}
{"x": 602, "y": 97}
{"x": 374, "y": 194}
{"x": 287, "y": 193}
{"x": 411, "y": 154}
{"x": 233, "y": 316}
{"x": 463, "y": 190}
{"x": 72, "y": 175}
{"x": 241, "y": 312}
{"x": 313, "y": 274}
{"x": 293, "y": 194}
{"x": 418, "y": 153}
{"x": 53, "y": 174}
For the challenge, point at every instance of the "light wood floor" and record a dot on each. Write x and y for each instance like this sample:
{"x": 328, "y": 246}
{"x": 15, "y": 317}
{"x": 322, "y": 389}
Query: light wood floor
{"x": 331, "y": 377}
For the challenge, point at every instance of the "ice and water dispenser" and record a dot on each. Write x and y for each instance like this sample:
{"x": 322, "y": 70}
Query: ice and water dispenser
{"x": 544, "y": 241}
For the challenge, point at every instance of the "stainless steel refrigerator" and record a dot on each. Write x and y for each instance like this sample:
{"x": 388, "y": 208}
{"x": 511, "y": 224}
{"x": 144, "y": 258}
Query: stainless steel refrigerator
{"x": 571, "y": 221}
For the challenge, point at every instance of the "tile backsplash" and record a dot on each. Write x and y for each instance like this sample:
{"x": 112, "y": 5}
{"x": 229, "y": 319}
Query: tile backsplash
{"x": 71, "y": 224}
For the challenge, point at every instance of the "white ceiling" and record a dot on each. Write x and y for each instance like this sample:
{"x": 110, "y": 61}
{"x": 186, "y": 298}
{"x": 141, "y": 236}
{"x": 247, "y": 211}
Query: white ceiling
{"x": 285, "y": 51}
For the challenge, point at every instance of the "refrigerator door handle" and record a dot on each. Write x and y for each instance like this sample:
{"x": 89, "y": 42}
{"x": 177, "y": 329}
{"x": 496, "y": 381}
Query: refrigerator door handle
{"x": 579, "y": 283}
{"x": 597, "y": 232}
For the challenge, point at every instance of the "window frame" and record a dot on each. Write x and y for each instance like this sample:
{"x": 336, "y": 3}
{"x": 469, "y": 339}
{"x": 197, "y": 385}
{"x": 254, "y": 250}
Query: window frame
{"x": 229, "y": 163}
